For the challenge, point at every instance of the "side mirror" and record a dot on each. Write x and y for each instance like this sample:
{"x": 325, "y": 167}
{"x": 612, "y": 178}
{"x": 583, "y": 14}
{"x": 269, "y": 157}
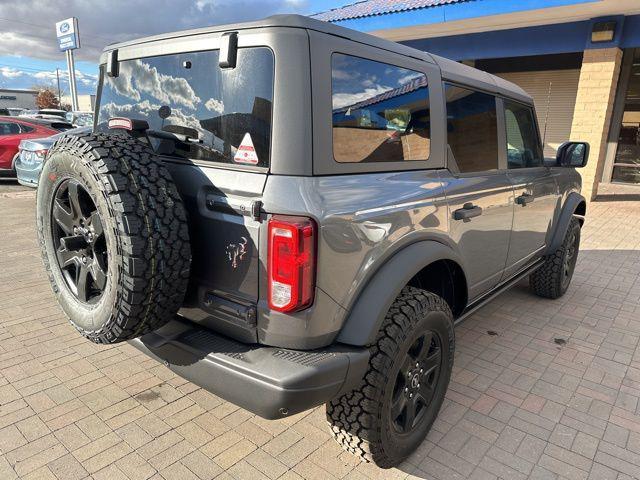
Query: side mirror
{"x": 573, "y": 154}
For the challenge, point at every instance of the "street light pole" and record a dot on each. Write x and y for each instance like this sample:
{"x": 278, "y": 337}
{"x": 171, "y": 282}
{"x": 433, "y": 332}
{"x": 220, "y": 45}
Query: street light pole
{"x": 58, "y": 79}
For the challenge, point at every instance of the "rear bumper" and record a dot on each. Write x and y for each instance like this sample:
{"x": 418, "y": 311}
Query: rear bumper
{"x": 27, "y": 175}
{"x": 271, "y": 382}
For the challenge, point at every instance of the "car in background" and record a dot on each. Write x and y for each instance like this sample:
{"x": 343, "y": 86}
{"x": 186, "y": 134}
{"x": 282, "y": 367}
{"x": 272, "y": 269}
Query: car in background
{"x": 80, "y": 119}
{"x": 56, "y": 112}
{"x": 32, "y": 154}
{"x": 14, "y": 129}
{"x": 11, "y": 111}
{"x": 49, "y": 113}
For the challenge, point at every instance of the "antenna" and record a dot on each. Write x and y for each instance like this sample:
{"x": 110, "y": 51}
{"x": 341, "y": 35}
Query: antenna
{"x": 546, "y": 118}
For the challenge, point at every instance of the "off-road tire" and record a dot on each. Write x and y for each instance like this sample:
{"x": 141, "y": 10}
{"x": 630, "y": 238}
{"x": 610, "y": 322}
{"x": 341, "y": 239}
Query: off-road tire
{"x": 552, "y": 279}
{"x": 359, "y": 420}
{"x": 145, "y": 231}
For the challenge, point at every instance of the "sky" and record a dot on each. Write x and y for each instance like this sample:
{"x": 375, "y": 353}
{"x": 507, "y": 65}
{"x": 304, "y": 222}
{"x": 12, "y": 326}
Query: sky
{"x": 29, "y": 53}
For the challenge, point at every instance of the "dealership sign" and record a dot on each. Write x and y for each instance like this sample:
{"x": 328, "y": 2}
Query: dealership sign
{"x": 68, "y": 34}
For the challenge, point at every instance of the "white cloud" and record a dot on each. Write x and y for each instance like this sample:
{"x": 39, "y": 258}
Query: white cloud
{"x": 9, "y": 72}
{"x": 12, "y": 77}
{"x": 108, "y": 21}
{"x": 214, "y": 105}
{"x": 341, "y": 100}
{"x": 407, "y": 78}
{"x": 138, "y": 77}
{"x": 148, "y": 110}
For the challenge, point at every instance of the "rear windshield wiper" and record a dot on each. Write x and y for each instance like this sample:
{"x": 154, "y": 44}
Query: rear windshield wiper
{"x": 172, "y": 136}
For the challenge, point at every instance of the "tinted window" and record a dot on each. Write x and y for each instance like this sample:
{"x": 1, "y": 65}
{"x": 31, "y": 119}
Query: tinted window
{"x": 380, "y": 112}
{"x": 26, "y": 128}
{"x": 188, "y": 94}
{"x": 7, "y": 128}
{"x": 523, "y": 143}
{"x": 472, "y": 129}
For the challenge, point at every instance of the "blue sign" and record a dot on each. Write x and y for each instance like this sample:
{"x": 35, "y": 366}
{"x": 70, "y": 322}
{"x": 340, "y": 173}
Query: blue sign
{"x": 67, "y": 43}
{"x": 68, "y": 34}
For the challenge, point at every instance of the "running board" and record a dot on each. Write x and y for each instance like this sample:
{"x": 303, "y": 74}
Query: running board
{"x": 497, "y": 290}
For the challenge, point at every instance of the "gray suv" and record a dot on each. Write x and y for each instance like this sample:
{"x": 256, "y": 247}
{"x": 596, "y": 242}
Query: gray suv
{"x": 289, "y": 213}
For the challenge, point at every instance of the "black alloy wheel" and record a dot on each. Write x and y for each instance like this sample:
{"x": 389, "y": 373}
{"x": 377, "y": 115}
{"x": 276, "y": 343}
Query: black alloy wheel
{"x": 79, "y": 240}
{"x": 416, "y": 382}
{"x": 570, "y": 258}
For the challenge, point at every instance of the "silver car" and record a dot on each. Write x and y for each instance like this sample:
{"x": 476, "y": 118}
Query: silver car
{"x": 32, "y": 154}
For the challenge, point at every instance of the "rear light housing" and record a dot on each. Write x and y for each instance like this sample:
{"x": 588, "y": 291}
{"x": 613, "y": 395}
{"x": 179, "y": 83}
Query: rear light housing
{"x": 291, "y": 263}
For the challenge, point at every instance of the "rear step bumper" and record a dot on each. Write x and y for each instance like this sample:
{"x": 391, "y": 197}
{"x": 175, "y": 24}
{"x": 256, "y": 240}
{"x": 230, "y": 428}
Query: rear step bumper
{"x": 271, "y": 382}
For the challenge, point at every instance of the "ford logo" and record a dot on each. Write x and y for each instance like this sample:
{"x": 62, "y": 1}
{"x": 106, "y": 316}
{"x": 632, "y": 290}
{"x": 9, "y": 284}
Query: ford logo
{"x": 64, "y": 28}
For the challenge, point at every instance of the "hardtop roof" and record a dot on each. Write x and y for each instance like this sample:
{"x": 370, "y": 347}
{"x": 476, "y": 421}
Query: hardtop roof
{"x": 450, "y": 69}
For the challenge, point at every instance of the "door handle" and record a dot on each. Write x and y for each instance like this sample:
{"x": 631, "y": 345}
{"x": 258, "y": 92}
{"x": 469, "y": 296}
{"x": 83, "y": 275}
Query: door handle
{"x": 468, "y": 211}
{"x": 525, "y": 199}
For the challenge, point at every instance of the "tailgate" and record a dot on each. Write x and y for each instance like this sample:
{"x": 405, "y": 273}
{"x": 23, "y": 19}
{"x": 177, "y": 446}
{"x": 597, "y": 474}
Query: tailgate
{"x": 225, "y": 242}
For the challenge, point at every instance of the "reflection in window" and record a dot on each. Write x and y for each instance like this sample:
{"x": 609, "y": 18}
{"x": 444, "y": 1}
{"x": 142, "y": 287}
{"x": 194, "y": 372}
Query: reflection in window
{"x": 523, "y": 143}
{"x": 472, "y": 130}
{"x": 208, "y": 109}
{"x": 626, "y": 168}
{"x": 380, "y": 112}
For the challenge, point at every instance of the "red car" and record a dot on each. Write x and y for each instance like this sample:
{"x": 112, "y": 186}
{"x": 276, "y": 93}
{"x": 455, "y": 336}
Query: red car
{"x": 13, "y": 129}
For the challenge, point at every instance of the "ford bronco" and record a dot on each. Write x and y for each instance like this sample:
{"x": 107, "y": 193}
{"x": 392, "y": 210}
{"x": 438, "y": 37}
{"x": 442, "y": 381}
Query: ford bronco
{"x": 290, "y": 213}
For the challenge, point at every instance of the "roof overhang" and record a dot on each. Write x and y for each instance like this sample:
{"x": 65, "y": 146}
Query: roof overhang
{"x": 486, "y": 15}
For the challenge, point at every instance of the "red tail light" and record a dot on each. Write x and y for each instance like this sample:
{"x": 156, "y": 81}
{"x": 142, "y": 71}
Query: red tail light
{"x": 291, "y": 263}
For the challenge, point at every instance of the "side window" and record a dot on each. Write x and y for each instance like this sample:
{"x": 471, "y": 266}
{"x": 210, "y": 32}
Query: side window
{"x": 26, "y": 128}
{"x": 472, "y": 129}
{"x": 9, "y": 128}
{"x": 523, "y": 142}
{"x": 380, "y": 112}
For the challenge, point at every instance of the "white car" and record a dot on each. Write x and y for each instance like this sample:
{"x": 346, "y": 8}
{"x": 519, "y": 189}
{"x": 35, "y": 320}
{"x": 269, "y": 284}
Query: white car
{"x": 80, "y": 119}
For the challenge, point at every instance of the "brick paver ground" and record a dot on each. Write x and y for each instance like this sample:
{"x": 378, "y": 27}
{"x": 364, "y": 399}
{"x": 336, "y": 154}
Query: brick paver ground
{"x": 541, "y": 389}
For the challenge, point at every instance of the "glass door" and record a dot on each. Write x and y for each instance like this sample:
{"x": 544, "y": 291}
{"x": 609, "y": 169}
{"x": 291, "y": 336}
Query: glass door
{"x": 626, "y": 166}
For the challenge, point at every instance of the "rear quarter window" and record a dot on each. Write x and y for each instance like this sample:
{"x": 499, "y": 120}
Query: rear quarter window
{"x": 224, "y": 114}
{"x": 380, "y": 112}
{"x": 472, "y": 129}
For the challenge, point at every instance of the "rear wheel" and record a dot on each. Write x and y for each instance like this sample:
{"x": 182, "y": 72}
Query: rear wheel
{"x": 113, "y": 233}
{"x": 390, "y": 414}
{"x": 553, "y": 278}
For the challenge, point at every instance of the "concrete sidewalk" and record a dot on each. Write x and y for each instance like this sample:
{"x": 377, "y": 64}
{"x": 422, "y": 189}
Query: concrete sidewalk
{"x": 541, "y": 389}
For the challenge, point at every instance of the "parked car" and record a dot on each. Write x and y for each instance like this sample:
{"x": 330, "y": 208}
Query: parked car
{"x": 307, "y": 221}
{"x": 11, "y": 111}
{"x": 80, "y": 119}
{"x": 53, "y": 112}
{"x": 45, "y": 113}
{"x": 12, "y": 131}
{"x": 32, "y": 154}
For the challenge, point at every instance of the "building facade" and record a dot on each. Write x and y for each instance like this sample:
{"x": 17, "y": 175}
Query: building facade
{"x": 17, "y": 98}
{"x": 86, "y": 103}
{"x": 579, "y": 59}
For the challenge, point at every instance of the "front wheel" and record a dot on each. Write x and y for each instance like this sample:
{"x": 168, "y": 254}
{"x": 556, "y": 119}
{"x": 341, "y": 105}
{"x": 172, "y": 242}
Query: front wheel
{"x": 552, "y": 279}
{"x": 390, "y": 414}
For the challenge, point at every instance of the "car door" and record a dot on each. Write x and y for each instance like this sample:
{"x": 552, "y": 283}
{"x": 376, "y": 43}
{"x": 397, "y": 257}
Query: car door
{"x": 535, "y": 186}
{"x": 478, "y": 190}
{"x": 9, "y": 139}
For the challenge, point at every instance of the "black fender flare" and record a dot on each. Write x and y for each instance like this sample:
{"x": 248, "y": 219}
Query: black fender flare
{"x": 370, "y": 308}
{"x": 570, "y": 205}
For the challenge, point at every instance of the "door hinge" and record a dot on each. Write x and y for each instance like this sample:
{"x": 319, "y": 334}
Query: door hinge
{"x": 256, "y": 209}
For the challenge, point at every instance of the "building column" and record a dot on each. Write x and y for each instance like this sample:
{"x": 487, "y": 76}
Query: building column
{"x": 594, "y": 107}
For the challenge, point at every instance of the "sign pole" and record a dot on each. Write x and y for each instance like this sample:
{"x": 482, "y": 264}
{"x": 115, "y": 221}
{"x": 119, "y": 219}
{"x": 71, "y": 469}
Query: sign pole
{"x": 68, "y": 36}
{"x": 72, "y": 80}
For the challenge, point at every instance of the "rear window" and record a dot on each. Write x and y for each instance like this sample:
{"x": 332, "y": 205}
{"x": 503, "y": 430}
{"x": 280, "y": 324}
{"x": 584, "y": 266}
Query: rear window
{"x": 380, "y": 112}
{"x": 472, "y": 129}
{"x": 220, "y": 115}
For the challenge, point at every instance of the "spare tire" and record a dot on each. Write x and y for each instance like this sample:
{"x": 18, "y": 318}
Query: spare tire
{"x": 114, "y": 236}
